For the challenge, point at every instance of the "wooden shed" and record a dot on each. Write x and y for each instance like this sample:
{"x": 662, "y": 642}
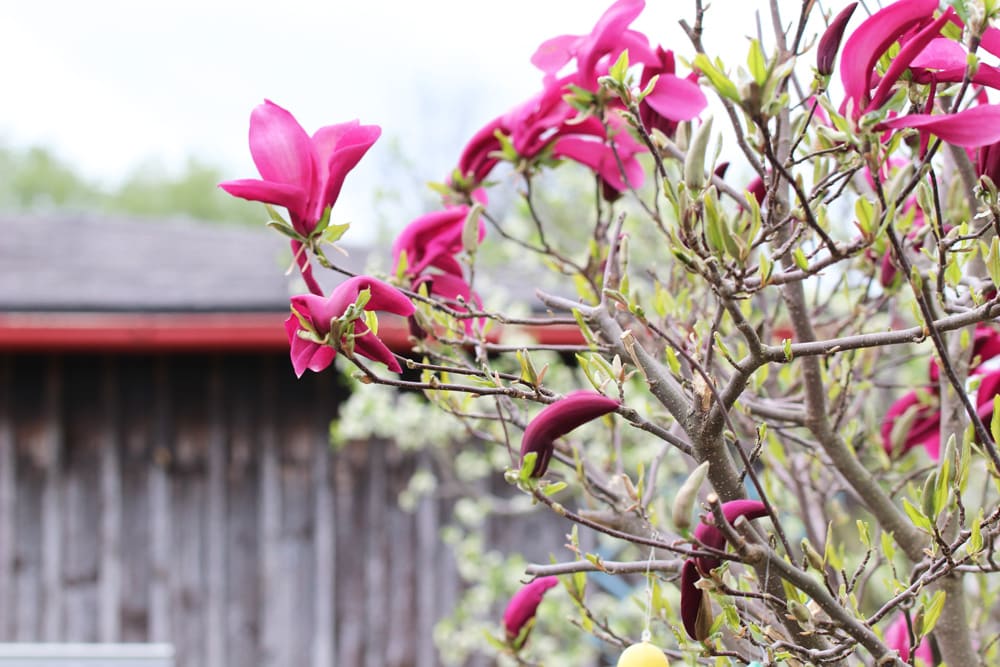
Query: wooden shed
{"x": 165, "y": 478}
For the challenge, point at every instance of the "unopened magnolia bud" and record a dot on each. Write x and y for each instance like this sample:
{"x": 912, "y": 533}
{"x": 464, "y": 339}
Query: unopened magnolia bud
{"x": 829, "y": 44}
{"x": 686, "y": 497}
{"x": 812, "y": 556}
{"x": 694, "y": 163}
{"x": 800, "y": 612}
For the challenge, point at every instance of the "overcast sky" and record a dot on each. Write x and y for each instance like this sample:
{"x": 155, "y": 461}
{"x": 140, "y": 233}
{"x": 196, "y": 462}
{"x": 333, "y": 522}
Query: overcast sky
{"x": 109, "y": 84}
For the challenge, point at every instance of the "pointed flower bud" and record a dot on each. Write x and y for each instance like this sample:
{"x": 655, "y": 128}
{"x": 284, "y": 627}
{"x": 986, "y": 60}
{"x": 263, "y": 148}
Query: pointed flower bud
{"x": 524, "y": 604}
{"x": 829, "y": 44}
{"x": 558, "y": 419}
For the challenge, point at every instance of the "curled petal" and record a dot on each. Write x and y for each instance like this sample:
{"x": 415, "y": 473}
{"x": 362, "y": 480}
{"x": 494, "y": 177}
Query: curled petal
{"x": 676, "y": 99}
{"x": 291, "y": 196}
{"x": 281, "y": 149}
{"x": 897, "y": 637}
{"x": 555, "y": 53}
{"x": 690, "y": 599}
{"x": 523, "y": 606}
{"x": 558, "y": 419}
{"x": 350, "y": 148}
{"x": 976, "y": 126}
{"x": 306, "y": 354}
{"x": 871, "y": 39}
{"x": 383, "y": 296}
{"x": 600, "y": 158}
{"x": 904, "y": 59}
{"x": 368, "y": 345}
{"x": 921, "y": 422}
{"x": 711, "y": 536}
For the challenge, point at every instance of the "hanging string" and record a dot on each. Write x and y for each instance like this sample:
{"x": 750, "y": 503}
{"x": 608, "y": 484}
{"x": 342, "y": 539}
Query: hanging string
{"x": 646, "y": 632}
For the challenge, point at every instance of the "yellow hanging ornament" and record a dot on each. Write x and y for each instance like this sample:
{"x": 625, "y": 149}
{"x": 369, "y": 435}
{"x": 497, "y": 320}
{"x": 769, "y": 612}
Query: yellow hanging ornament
{"x": 643, "y": 655}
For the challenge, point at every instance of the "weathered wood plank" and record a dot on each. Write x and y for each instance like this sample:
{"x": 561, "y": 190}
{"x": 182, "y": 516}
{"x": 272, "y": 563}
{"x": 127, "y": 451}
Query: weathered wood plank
{"x": 51, "y": 446}
{"x": 324, "y": 535}
{"x": 81, "y": 499}
{"x": 402, "y": 577}
{"x": 160, "y": 516}
{"x": 349, "y": 492}
{"x": 215, "y": 622}
{"x": 242, "y": 565}
{"x": 376, "y": 550}
{"x": 28, "y": 409}
{"x": 8, "y": 506}
{"x": 110, "y": 566}
{"x": 188, "y": 584}
{"x": 136, "y": 396}
{"x": 269, "y": 528}
{"x": 428, "y": 610}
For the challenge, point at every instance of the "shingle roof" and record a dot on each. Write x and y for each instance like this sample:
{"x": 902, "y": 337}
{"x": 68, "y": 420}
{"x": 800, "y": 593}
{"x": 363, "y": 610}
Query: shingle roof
{"x": 89, "y": 263}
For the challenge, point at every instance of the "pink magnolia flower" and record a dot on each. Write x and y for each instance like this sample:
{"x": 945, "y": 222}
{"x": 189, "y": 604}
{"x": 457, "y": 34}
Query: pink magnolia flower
{"x": 559, "y": 418}
{"x": 921, "y": 407}
{"x": 431, "y": 242}
{"x": 523, "y": 606}
{"x": 695, "y": 568}
{"x": 547, "y": 126}
{"x": 897, "y": 637}
{"x": 872, "y": 39}
{"x": 303, "y": 174}
{"x": 673, "y": 99}
{"x": 605, "y": 43}
{"x": 829, "y": 44}
{"x": 310, "y": 324}
{"x": 988, "y": 162}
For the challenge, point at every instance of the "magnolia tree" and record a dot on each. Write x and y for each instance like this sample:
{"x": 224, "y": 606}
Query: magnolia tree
{"x": 779, "y": 399}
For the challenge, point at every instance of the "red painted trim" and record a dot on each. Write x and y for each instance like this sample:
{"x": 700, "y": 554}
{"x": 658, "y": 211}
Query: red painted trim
{"x": 187, "y": 332}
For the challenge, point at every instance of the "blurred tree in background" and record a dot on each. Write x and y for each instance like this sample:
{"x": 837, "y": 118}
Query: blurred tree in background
{"x": 38, "y": 181}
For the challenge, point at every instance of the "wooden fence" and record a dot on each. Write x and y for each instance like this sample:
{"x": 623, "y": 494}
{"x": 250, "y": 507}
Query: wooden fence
{"x": 194, "y": 500}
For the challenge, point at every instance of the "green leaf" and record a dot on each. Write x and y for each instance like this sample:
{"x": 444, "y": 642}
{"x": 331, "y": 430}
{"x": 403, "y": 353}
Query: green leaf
{"x": 719, "y": 81}
{"x": 756, "y": 63}
{"x": 932, "y": 611}
{"x": 527, "y": 466}
{"x": 975, "y": 544}
{"x": 619, "y": 70}
{"x": 916, "y": 516}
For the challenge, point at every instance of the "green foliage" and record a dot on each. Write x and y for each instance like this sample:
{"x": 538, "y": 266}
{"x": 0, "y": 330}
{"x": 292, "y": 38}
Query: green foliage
{"x": 40, "y": 181}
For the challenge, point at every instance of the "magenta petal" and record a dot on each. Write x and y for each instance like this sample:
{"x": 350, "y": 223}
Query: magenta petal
{"x": 306, "y": 354}
{"x": 601, "y": 160}
{"x": 292, "y": 197}
{"x": 350, "y": 149}
{"x": 910, "y": 50}
{"x": 941, "y": 53}
{"x": 383, "y": 296}
{"x": 924, "y": 430}
{"x": 711, "y": 536}
{"x": 867, "y": 44}
{"x": 897, "y": 637}
{"x": 524, "y": 605}
{"x": 368, "y": 345}
{"x": 553, "y": 54}
{"x": 281, "y": 149}
{"x": 976, "y": 126}
{"x": 690, "y": 598}
{"x": 560, "y": 418}
{"x": 676, "y": 98}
